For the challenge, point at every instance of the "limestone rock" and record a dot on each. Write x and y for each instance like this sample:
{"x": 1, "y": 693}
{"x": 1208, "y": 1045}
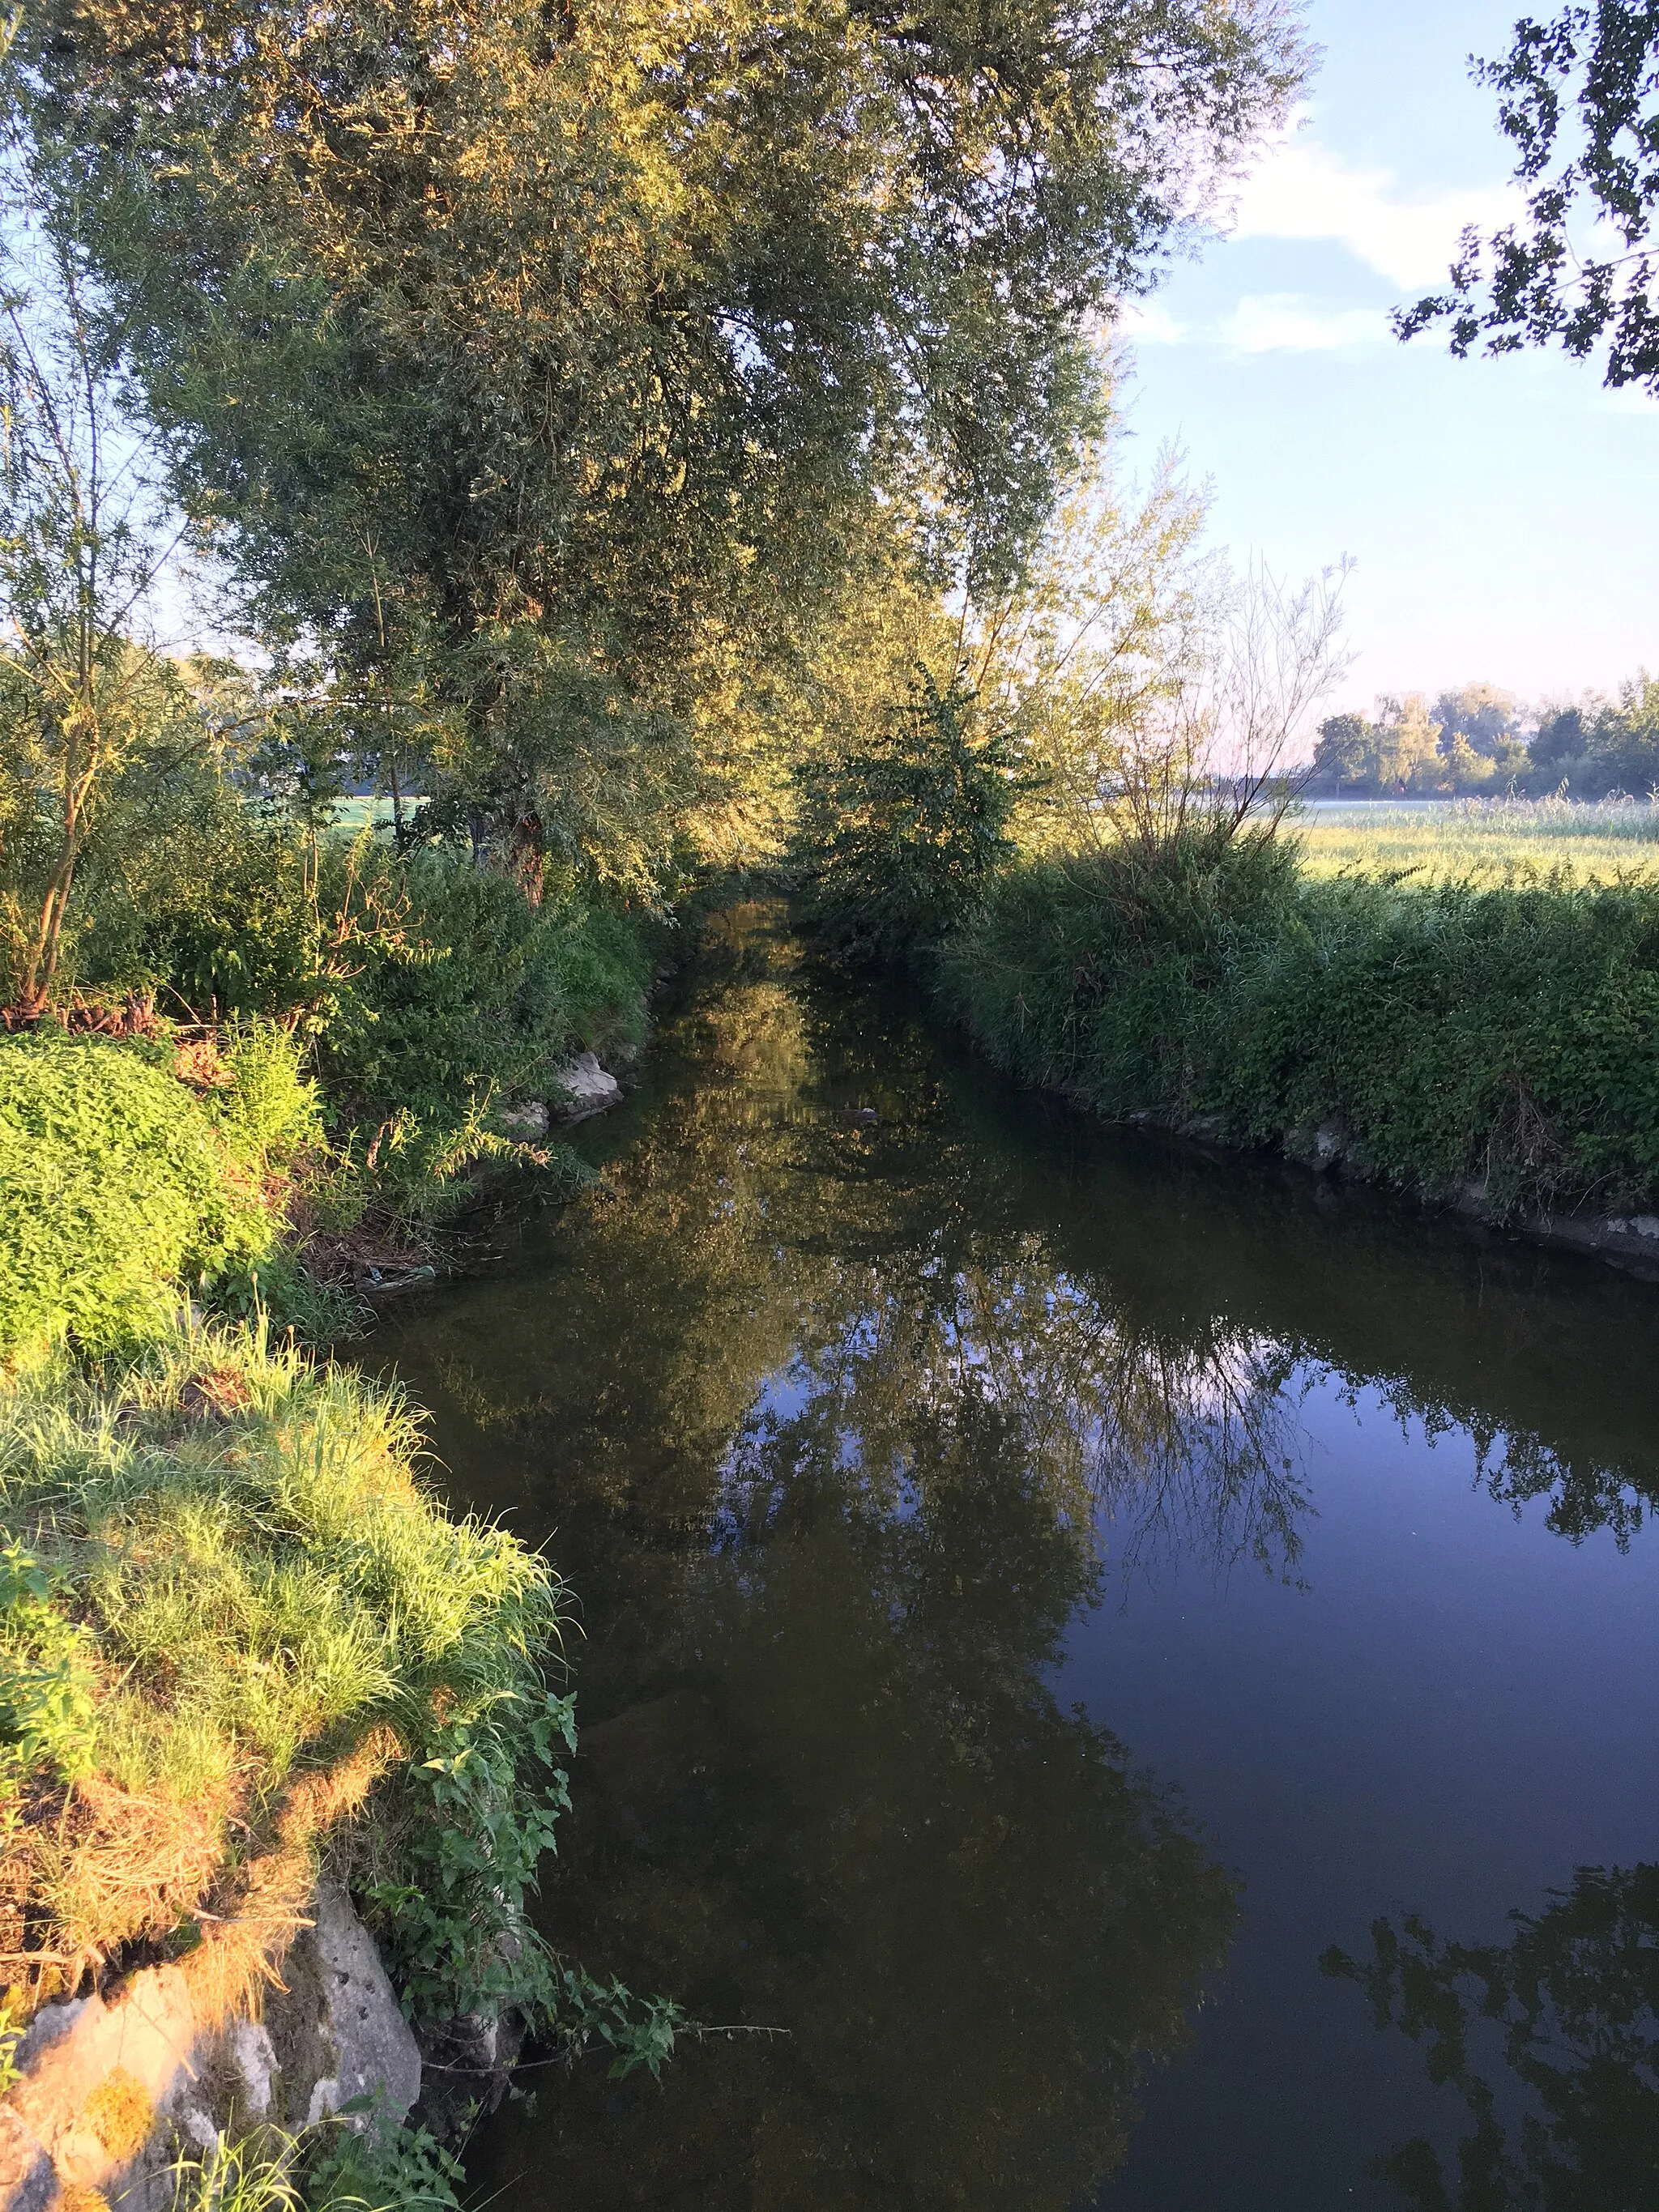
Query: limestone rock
{"x": 525, "y": 1122}
{"x": 111, "y": 2088}
{"x": 584, "y": 1088}
{"x": 374, "y": 2052}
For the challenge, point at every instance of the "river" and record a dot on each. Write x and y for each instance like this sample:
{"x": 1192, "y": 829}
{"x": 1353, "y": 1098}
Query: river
{"x": 1132, "y": 1679}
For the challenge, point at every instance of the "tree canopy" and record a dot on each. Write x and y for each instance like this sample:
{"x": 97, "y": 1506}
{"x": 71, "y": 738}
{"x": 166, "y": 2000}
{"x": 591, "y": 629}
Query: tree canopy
{"x": 530, "y": 364}
{"x": 1578, "y": 97}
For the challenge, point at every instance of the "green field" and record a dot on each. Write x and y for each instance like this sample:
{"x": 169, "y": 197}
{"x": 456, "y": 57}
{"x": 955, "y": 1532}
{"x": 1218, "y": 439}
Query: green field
{"x": 1485, "y": 840}
{"x": 356, "y": 814}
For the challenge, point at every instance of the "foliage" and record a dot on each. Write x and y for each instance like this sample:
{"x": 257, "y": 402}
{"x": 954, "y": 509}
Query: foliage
{"x": 1473, "y": 740}
{"x": 425, "y": 991}
{"x": 537, "y": 376}
{"x": 1453, "y": 1035}
{"x": 373, "y": 2169}
{"x": 1575, "y": 99}
{"x": 332, "y": 2165}
{"x": 895, "y": 844}
{"x": 1602, "y": 745}
{"x": 1110, "y": 623}
{"x": 1405, "y": 750}
{"x": 465, "y": 1833}
{"x": 1574, "y": 1994}
{"x": 464, "y": 992}
{"x": 80, "y": 548}
{"x": 249, "y": 1610}
{"x": 1086, "y": 970}
{"x": 119, "y": 1190}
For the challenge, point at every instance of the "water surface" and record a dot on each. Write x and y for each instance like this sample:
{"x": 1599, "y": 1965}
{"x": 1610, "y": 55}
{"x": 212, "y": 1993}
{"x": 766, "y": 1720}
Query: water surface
{"x": 1089, "y": 1647}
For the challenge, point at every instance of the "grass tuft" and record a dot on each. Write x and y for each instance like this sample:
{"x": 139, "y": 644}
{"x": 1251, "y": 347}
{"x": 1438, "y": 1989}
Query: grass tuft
{"x": 230, "y": 1608}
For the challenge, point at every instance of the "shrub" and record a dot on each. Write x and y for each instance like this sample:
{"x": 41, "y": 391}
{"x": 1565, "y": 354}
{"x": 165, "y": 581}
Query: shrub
{"x": 117, "y": 1190}
{"x": 426, "y": 991}
{"x": 1090, "y": 970}
{"x": 1504, "y": 1036}
{"x": 896, "y": 844}
{"x": 465, "y": 993}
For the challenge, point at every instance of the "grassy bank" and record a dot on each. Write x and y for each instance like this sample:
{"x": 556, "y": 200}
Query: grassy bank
{"x": 240, "y": 1640}
{"x": 231, "y": 1613}
{"x": 1440, "y": 1036}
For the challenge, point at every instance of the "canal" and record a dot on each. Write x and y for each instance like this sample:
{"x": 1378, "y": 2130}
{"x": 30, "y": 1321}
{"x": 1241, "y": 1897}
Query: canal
{"x": 1125, "y": 1679}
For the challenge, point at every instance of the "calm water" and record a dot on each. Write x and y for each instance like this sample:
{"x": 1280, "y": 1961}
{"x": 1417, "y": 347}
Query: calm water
{"x": 1144, "y": 1670}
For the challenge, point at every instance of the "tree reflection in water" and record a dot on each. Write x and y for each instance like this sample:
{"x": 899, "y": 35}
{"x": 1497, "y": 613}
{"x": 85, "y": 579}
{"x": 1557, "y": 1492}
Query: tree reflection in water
{"x": 836, "y": 1410}
{"x": 1569, "y": 2009}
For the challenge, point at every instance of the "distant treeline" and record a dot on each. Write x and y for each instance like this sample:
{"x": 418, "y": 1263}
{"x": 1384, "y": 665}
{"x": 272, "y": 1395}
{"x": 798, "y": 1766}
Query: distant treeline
{"x": 1480, "y": 738}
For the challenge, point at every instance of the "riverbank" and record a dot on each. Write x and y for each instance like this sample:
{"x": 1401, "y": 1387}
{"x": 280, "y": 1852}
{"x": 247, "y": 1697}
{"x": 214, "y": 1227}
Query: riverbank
{"x": 1494, "y": 1050}
{"x": 263, "y": 1690}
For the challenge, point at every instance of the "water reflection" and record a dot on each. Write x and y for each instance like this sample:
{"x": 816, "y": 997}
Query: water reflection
{"x": 852, "y": 1388}
{"x": 843, "y": 1801}
{"x": 1552, "y": 2042}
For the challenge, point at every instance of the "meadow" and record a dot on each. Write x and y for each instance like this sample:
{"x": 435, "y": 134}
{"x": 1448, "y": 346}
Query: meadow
{"x": 1486, "y": 840}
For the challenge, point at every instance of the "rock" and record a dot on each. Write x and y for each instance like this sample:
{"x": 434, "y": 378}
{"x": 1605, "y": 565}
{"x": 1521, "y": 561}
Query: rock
{"x": 584, "y": 1088}
{"x": 99, "y": 2083}
{"x": 347, "y": 2022}
{"x": 526, "y": 1122}
{"x": 110, "y": 2090}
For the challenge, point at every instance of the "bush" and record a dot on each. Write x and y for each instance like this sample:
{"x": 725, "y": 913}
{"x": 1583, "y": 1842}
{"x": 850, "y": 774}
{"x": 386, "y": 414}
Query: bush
{"x": 1091, "y": 970}
{"x": 1452, "y": 1035}
{"x": 119, "y": 1191}
{"x": 894, "y": 846}
{"x": 428, "y": 992}
{"x": 464, "y": 993}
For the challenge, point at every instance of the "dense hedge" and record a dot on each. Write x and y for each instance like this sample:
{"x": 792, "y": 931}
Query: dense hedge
{"x": 1446, "y": 1035}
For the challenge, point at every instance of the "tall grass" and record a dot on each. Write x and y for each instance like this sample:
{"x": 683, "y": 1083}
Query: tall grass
{"x": 231, "y": 1609}
{"x": 1441, "y": 1035}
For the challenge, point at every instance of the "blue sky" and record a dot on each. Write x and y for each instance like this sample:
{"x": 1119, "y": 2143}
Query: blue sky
{"x": 1501, "y": 513}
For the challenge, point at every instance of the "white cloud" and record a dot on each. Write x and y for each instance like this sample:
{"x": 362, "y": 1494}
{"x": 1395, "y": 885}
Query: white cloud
{"x": 1303, "y": 191}
{"x": 1148, "y": 324}
{"x": 1283, "y": 322}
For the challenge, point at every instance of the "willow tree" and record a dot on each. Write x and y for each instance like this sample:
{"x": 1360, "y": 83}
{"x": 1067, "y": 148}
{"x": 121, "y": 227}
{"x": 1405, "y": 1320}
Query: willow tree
{"x": 551, "y": 350}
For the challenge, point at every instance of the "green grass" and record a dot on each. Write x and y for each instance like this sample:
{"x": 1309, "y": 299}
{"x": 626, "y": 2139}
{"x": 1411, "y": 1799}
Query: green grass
{"x": 1492, "y": 841}
{"x": 127, "y": 1193}
{"x": 1445, "y": 1035}
{"x": 120, "y": 1192}
{"x": 230, "y": 1609}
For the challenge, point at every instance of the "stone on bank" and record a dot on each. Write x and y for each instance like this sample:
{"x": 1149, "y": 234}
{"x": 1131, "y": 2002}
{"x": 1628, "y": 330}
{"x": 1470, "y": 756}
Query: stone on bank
{"x": 111, "y": 2091}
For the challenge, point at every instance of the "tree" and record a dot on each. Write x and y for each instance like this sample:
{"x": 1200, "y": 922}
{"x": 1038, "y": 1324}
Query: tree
{"x": 1488, "y": 720}
{"x": 1218, "y": 759}
{"x": 1115, "y": 615}
{"x": 570, "y": 340}
{"x": 1409, "y": 755}
{"x": 83, "y": 695}
{"x": 1348, "y": 753}
{"x": 1577, "y": 97}
{"x": 894, "y": 843}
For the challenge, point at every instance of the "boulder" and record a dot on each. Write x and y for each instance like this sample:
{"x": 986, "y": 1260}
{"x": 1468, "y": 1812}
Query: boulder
{"x": 583, "y": 1087}
{"x": 111, "y": 2090}
{"x": 526, "y": 1122}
